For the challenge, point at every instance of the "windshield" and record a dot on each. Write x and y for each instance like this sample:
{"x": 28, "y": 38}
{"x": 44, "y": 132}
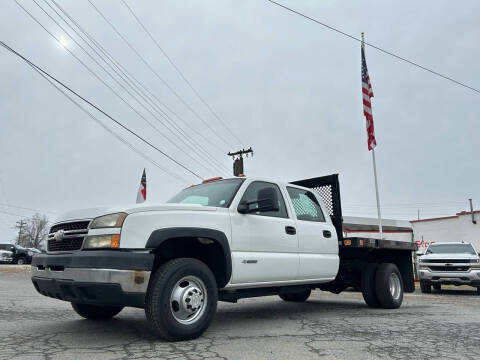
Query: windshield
{"x": 218, "y": 193}
{"x": 451, "y": 249}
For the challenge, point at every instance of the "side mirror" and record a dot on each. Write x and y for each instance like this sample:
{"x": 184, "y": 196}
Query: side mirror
{"x": 267, "y": 201}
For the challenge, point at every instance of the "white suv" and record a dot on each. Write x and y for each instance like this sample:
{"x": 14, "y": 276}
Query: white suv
{"x": 453, "y": 263}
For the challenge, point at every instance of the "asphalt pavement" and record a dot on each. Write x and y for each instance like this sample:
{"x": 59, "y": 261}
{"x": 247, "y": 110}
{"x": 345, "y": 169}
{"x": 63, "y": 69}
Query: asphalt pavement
{"x": 442, "y": 325}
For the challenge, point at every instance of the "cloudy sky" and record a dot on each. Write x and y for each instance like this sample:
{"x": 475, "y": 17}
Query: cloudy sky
{"x": 283, "y": 85}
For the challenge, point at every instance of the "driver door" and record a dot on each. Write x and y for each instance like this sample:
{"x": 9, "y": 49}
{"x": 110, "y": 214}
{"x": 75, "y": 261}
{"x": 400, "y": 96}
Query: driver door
{"x": 265, "y": 246}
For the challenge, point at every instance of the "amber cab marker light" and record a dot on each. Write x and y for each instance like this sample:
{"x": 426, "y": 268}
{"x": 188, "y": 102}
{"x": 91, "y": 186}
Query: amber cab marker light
{"x": 115, "y": 243}
{"x": 212, "y": 179}
{"x": 360, "y": 242}
{"x": 348, "y": 242}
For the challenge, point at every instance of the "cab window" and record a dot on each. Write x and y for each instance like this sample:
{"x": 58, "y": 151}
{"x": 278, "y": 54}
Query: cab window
{"x": 305, "y": 205}
{"x": 253, "y": 193}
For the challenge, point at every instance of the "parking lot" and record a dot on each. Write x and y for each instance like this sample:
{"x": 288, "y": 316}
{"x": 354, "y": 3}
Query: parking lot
{"x": 441, "y": 325}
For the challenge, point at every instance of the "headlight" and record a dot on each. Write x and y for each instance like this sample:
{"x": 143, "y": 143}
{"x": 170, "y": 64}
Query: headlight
{"x": 102, "y": 241}
{"x": 108, "y": 221}
{"x": 475, "y": 261}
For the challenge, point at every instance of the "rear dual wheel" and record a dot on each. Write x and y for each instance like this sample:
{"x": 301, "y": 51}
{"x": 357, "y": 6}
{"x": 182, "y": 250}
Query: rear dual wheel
{"x": 382, "y": 286}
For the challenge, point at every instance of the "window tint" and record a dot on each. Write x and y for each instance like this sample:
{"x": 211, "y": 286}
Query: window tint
{"x": 251, "y": 194}
{"x": 306, "y": 205}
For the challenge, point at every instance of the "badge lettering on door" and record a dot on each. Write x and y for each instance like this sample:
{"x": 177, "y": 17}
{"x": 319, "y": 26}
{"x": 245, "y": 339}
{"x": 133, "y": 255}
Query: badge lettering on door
{"x": 249, "y": 261}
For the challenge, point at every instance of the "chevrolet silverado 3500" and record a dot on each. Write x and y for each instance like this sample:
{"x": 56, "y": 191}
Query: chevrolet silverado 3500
{"x": 222, "y": 240}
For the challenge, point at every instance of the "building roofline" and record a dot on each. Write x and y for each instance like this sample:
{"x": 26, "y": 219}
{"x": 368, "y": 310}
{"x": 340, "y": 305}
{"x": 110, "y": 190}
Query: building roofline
{"x": 461, "y": 213}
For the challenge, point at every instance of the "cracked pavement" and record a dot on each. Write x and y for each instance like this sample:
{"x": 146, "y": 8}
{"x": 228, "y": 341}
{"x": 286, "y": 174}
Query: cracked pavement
{"x": 328, "y": 326}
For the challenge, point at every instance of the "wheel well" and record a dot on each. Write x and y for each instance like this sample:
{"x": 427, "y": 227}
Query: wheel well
{"x": 207, "y": 250}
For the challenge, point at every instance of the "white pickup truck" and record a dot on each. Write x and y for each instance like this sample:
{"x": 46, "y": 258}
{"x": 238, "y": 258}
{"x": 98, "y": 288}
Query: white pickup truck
{"x": 449, "y": 263}
{"x": 224, "y": 239}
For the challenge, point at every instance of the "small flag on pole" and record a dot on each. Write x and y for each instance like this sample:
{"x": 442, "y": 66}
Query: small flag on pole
{"x": 142, "y": 190}
{"x": 367, "y": 94}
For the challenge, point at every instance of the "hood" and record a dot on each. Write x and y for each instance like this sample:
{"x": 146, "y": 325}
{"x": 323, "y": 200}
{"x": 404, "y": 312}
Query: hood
{"x": 91, "y": 213}
{"x": 448, "y": 256}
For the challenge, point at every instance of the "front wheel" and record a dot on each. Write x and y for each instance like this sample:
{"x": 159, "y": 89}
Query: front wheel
{"x": 389, "y": 286}
{"x": 181, "y": 299}
{"x": 21, "y": 261}
{"x": 94, "y": 312}
{"x": 301, "y": 296}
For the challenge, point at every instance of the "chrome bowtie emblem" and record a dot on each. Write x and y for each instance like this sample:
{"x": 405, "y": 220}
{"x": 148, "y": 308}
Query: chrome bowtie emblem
{"x": 59, "y": 235}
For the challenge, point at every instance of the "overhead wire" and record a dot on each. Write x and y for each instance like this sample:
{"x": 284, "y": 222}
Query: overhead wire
{"x": 138, "y": 87}
{"x": 101, "y": 80}
{"x": 63, "y": 85}
{"x": 375, "y": 47}
{"x": 152, "y": 69}
{"x": 182, "y": 75}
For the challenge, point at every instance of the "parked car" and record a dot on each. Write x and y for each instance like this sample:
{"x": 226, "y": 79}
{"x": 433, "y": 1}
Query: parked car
{"x": 224, "y": 239}
{"x": 20, "y": 255}
{"x": 453, "y": 263}
{"x": 5, "y": 257}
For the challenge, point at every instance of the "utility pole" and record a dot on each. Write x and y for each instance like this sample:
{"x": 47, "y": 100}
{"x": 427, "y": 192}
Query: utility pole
{"x": 20, "y": 224}
{"x": 237, "y": 157}
{"x": 473, "y": 213}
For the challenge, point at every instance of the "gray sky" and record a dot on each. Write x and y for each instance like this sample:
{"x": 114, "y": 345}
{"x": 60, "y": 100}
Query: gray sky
{"x": 284, "y": 85}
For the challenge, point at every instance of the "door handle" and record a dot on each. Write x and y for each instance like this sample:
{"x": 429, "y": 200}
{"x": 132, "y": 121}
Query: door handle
{"x": 290, "y": 230}
{"x": 327, "y": 234}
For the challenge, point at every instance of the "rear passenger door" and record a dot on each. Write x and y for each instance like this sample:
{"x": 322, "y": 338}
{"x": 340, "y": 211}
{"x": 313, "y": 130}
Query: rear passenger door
{"x": 317, "y": 239}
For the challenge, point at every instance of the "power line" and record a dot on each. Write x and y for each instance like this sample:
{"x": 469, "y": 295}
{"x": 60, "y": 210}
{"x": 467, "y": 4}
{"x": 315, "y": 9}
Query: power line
{"x": 26, "y": 208}
{"x": 181, "y": 73}
{"x": 158, "y": 110}
{"x": 100, "y": 79}
{"x": 375, "y": 47}
{"x": 97, "y": 108}
{"x": 157, "y": 74}
{"x": 138, "y": 87}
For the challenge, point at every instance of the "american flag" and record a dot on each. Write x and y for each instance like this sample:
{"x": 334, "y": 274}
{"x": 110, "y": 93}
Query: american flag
{"x": 367, "y": 94}
{"x": 142, "y": 189}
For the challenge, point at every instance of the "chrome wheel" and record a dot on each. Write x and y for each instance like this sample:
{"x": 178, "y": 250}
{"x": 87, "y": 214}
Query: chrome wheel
{"x": 395, "y": 285}
{"x": 188, "y": 300}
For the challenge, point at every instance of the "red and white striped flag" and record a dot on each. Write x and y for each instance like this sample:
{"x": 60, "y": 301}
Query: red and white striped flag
{"x": 142, "y": 189}
{"x": 367, "y": 94}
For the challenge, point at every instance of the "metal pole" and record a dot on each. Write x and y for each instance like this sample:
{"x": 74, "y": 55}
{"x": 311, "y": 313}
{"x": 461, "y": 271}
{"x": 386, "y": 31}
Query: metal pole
{"x": 376, "y": 192}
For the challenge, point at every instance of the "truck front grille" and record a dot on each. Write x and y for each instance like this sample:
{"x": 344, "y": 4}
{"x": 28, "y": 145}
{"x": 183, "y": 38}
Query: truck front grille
{"x": 449, "y": 268}
{"x": 68, "y": 244}
{"x": 72, "y": 237}
{"x": 69, "y": 226}
{"x": 451, "y": 261}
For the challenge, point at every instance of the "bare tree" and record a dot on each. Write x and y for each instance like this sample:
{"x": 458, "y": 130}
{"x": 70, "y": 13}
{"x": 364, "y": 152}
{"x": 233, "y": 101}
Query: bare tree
{"x": 33, "y": 231}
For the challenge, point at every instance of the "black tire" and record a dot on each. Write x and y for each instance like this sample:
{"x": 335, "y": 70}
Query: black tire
{"x": 437, "y": 287}
{"x": 160, "y": 310}
{"x": 94, "y": 312}
{"x": 425, "y": 287}
{"x": 296, "y": 296}
{"x": 478, "y": 290}
{"x": 385, "y": 274}
{"x": 368, "y": 285}
{"x": 22, "y": 260}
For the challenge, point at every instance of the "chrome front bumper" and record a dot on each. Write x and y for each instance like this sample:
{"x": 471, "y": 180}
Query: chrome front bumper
{"x": 453, "y": 277}
{"x": 129, "y": 280}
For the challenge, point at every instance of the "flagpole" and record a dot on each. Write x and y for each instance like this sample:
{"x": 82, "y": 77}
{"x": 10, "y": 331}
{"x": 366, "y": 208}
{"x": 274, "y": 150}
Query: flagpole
{"x": 376, "y": 193}
{"x": 380, "y": 230}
